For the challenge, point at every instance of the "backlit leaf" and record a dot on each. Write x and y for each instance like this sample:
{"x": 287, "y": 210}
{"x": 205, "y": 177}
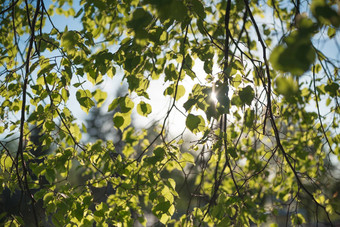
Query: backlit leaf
{"x": 194, "y": 123}
{"x": 144, "y": 109}
{"x": 121, "y": 121}
{"x": 247, "y": 95}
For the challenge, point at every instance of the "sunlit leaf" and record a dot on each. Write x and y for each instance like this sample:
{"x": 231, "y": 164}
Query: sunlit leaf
{"x": 99, "y": 96}
{"x": 187, "y": 157}
{"x": 144, "y": 109}
{"x": 121, "y": 121}
{"x": 287, "y": 87}
{"x": 194, "y": 123}
{"x": 172, "y": 90}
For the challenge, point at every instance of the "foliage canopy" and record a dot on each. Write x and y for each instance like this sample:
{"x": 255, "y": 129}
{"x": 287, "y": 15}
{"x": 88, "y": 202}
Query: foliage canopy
{"x": 265, "y": 150}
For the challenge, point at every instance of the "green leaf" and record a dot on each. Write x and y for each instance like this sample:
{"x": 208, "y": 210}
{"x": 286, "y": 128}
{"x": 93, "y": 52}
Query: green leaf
{"x": 79, "y": 212}
{"x": 170, "y": 9}
{"x": 159, "y": 153}
{"x": 287, "y": 87}
{"x": 48, "y": 197}
{"x": 236, "y": 101}
{"x": 153, "y": 195}
{"x": 324, "y": 13}
{"x": 189, "y": 104}
{"x": 65, "y": 94}
{"x": 198, "y": 8}
{"x": 140, "y": 19}
{"x": 49, "y": 125}
{"x": 94, "y": 76}
{"x": 84, "y": 99}
{"x": 171, "y": 90}
{"x": 192, "y": 122}
{"x": 5, "y": 162}
{"x": 164, "y": 218}
{"x": 50, "y": 175}
{"x": 298, "y": 219}
{"x": 331, "y": 32}
{"x": 249, "y": 118}
{"x": 121, "y": 121}
{"x": 332, "y": 89}
{"x": 167, "y": 194}
{"x": 144, "y": 109}
{"x": 43, "y": 193}
{"x": 126, "y": 104}
{"x": 161, "y": 208}
{"x": 180, "y": 92}
{"x": 111, "y": 72}
{"x": 187, "y": 157}
{"x": 208, "y": 65}
{"x": 118, "y": 120}
{"x": 172, "y": 183}
{"x": 69, "y": 40}
{"x": 296, "y": 57}
{"x": 99, "y": 96}
{"x": 195, "y": 123}
{"x": 247, "y": 95}
{"x": 237, "y": 80}
{"x": 113, "y": 105}
{"x": 232, "y": 152}
{"x": 170, "y": 73}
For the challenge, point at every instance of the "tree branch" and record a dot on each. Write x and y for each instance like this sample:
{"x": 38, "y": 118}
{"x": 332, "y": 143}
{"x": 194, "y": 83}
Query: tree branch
{"x": 23, "y": 108}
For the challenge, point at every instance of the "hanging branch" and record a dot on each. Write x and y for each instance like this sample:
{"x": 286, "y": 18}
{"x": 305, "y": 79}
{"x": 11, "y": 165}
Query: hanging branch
{"x": 271, "y": 116}
{"x": 223, "y": 122}
{"x": 20, "y": 151}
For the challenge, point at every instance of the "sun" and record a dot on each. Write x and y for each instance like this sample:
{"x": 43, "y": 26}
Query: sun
{"x": 213, "y": 96}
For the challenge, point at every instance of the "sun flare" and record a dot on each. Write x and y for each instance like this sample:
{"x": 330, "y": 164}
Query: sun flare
{"x": 213, "y": 96}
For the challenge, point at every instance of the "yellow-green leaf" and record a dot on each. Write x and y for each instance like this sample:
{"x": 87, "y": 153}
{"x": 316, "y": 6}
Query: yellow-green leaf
{"x": 144, "y": 109}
